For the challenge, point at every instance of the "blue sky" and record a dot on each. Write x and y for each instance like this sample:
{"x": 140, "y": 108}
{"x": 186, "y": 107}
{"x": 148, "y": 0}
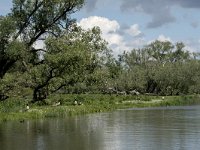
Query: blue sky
{"x": 127, "y": 24}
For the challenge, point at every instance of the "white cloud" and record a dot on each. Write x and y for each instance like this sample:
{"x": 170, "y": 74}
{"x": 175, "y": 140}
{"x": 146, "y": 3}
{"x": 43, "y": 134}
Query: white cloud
{"x": 192, "y": 45}
{"x": 163, "y": 38}
{"x": 111, "y": 33}
{"x": 117, "y": 36}
{"x": 134, "y": 30}
{"x": 105, "y": 24}
{"x": 139, "y": 42}
{"x": 109, "y": 29}
{"x": 189, "y": 48}
{"x": 39, "y": 44}
{"x": 113, "y": 38}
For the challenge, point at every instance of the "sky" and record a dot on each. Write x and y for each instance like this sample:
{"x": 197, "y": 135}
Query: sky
{"x": 128, "y": 24}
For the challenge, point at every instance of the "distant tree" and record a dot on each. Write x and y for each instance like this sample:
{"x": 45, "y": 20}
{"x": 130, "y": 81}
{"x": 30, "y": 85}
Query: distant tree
{"x": 162, "y": 66}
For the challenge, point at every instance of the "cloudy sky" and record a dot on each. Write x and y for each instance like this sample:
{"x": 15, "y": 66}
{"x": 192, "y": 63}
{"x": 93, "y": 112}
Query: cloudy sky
{"x": 127, "y": 24}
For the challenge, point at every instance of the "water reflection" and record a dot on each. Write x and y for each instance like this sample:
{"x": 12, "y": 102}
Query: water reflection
{"x": 171, "y": 128}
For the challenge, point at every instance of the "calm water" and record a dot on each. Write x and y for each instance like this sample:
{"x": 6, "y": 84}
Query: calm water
{"x": 174, "y": 128}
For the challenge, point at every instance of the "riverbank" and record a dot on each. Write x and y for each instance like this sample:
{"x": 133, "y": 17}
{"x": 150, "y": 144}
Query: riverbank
{"x": 15, "y": 108}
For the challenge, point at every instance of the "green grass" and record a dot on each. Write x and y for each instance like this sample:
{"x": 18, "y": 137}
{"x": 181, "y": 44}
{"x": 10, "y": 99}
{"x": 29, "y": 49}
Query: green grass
{"x": 14, "y": 108}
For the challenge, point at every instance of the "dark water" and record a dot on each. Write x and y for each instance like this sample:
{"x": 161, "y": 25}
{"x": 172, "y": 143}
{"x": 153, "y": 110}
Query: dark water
{"x": 174, "y": 128}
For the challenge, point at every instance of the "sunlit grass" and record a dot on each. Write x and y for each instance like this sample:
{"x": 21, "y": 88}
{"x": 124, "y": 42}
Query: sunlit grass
{"x": 14, "y": 109}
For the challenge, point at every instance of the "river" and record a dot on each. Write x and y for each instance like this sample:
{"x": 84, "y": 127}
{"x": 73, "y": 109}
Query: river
{"x": 170, "y": 128}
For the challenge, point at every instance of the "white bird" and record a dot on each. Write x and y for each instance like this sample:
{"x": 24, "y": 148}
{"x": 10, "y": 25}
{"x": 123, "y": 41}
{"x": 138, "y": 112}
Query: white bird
{"x": 27, "y": 107}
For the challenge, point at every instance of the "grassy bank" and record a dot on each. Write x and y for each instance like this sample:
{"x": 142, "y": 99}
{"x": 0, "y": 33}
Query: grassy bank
{"x": 14, "y": 109}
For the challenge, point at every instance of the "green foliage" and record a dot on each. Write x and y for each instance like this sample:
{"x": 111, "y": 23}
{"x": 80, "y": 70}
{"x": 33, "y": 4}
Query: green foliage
{"x": 79, "y": 61}
{"x": 13, "y": 105}
{"x": 33, "y": 18}
{"x": 14, "y": 109}
{"x": 13, "y": 85}
{"x": 72, "y": 58}
{"x": 28, "y": 22}
{"x": 161, "y": 68}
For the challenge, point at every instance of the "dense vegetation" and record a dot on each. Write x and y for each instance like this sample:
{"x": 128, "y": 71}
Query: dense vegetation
{"x": 75, "y": 61}
{"x": 14, "y": 108}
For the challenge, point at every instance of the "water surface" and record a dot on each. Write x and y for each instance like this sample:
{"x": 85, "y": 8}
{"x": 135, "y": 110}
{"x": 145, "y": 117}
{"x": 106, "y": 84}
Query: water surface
{"x": 170, "y": 128}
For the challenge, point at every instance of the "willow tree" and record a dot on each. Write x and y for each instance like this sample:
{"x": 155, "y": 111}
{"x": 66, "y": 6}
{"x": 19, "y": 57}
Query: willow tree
{"x": 69, "y": 59}
{"x": 160, "y": 67}
{"x": 29, "y": 22}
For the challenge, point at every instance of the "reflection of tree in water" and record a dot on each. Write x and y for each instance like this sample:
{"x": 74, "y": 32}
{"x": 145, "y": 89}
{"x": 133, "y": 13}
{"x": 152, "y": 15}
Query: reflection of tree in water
{"x": 156, "y": 129}
{"x": 73, "y": 133}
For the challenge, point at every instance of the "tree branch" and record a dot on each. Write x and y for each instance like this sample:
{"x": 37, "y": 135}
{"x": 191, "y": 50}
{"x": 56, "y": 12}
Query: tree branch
{"x": 26, "y": 22}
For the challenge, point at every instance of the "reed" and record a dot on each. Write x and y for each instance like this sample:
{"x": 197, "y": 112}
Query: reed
{"x": 14, "y": 109}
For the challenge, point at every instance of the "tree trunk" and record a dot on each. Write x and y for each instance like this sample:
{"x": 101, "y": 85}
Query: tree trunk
{"x": 39, "y": 94}
{"x": 6, "y": 64}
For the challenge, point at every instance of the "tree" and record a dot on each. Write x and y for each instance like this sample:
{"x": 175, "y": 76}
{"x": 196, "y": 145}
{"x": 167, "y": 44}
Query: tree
{"x": 160, "y": 68}
{"x": 160, "y": 51}
{"x": 69, "y": 59}
{"x": 30, "y": 21}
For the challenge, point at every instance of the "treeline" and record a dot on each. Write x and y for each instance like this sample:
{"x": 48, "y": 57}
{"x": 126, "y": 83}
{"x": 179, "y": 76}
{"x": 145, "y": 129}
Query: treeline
{"x": 74, "y": 60}
{"x": 160, "y": 68}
